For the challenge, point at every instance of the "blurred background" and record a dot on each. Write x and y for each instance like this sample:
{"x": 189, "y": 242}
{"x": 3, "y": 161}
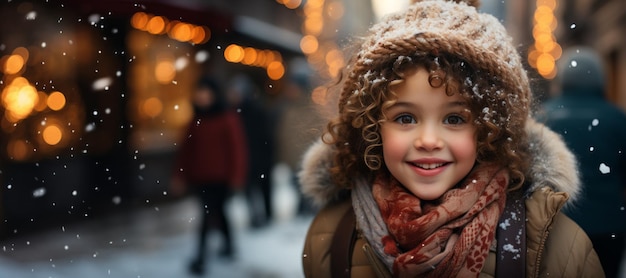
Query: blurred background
{"x": 95, "y": 94}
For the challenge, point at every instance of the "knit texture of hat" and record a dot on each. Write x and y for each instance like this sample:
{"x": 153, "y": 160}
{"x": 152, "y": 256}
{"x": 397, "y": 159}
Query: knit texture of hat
{"x": 438, "y": 26}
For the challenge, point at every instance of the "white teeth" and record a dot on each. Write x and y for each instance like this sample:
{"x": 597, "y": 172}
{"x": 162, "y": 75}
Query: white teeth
{"x": 429, "y": 165}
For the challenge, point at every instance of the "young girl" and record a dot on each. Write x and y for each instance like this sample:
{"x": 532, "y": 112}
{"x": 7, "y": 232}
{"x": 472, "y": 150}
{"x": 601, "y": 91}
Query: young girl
{"x": 433, "y": 166}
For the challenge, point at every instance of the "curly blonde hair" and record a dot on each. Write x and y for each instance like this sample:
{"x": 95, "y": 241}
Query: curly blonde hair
{"x": 365, "y": 94}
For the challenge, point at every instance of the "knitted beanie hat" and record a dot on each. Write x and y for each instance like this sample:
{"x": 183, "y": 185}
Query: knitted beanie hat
{"x": 452, "y": 27}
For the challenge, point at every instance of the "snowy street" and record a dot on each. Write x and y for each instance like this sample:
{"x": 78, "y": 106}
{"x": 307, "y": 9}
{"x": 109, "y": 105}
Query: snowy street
{"x": 158, "y": 241}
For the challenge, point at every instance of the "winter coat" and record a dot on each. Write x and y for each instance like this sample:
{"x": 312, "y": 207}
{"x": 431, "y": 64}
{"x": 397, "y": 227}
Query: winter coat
{"x": 595, "y": 131}
{"x": 213, "y": 151}
{"x": 556, "y": 246}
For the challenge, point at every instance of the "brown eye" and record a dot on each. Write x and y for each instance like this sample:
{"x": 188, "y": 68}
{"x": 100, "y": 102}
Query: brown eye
{"x": 454, "y": 120}
{"x": 405, "y": 119}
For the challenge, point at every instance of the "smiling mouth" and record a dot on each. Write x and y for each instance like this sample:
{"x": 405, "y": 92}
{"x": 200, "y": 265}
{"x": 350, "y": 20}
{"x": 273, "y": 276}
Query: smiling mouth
{"x": 428, "y": 166}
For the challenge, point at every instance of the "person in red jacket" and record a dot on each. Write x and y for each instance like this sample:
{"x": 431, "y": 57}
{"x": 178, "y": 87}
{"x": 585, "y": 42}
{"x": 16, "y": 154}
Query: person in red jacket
{"x": 211, "y": 163}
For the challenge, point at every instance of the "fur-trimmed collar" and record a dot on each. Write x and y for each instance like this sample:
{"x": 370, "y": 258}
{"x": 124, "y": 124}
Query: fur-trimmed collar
{"x": 552, "y": 165}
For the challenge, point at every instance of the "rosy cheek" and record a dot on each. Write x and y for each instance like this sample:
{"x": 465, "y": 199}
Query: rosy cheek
{"x": 467, "y": 148}
{"x": 391, "y": 146}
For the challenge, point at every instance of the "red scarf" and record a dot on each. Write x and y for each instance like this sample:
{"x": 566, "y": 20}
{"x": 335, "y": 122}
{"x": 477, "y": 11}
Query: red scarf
{"x": 449, "y": 237}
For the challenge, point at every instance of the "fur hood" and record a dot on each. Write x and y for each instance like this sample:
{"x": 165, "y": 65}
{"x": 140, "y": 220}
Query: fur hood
{"x": 552, "y": 165}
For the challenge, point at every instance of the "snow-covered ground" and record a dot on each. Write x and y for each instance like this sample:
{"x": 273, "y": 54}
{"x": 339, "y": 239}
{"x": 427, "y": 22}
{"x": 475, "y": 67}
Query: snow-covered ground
{"x": 158, "y": 241}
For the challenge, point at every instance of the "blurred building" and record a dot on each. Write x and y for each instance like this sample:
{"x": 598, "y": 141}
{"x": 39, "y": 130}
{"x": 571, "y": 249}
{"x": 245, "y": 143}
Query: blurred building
{"x": 601, "y": 25}
{"x": 94, "y": 94}
{"x": 543, "y": 28}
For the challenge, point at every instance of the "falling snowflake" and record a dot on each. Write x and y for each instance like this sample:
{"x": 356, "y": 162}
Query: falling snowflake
{"x": 604, "y": 169}
{"x": 202, "y": 56}
{"x": 39, "y": 192}
{"x": 31, "y": 15}
{"x": 94, "y": 19}
{"x": 102, "y": 83}
{"x": 90, "y": 127}
{"x": 595, "y": 122}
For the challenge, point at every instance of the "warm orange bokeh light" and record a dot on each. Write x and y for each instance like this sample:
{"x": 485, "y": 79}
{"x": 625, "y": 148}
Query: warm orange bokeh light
{"x": 19, "y": 98}
{"x": 318, "y": 96}
{"x": 543, "y": 54}
{"x": 181, "y": 31}
{"x": 545, "y": 64}
{"x": 200, "y": 34}
{"x": 42, "y": 103}
{"x": 313, "y": 25}
{"x": 13, "y": 64}
{"x": 165, "y": 71}
{"x": 550, "y": 4}
{"x": 156, "y": 25}
{"x": 52, "y": 135}
{"x": 335, "y": 10}
{"x": 271, "y": 56}
{"x": 268, "y": 59}
{"x": 152, "y": 107}
{"x": 139, "y": 20}
{"x": 544, "y": 15}
{"x": 262, "y": 59}
{"x": 175, "y": 29}
{"x": 234, "y": 53}
{"x": 56, "y": 101}
{"x": 275, "y": 70}
{"x": 292, "y": 4}
{"x": 315, "y": 3}
{"x": 309, "y": 44}
{"x": 249, "y": 56}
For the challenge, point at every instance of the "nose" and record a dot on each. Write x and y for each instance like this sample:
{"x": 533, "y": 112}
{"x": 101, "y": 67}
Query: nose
{"x": 428, "y": 138}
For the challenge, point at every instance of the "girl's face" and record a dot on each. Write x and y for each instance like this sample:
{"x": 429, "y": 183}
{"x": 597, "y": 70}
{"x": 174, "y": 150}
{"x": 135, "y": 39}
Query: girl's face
{"x": 429, "y": 141}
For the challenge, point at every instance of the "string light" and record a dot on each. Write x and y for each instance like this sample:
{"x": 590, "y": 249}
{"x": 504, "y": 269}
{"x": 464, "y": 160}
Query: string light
{"x": 175, "y": 29}
{"x": 270, "y": 60}
{"x": 543, "y": 54}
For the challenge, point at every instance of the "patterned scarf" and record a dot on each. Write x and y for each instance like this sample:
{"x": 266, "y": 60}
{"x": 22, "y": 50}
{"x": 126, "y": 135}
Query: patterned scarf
{"x": 449, "y": 237}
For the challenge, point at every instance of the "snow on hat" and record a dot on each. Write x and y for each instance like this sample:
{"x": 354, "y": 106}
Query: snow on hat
{"x": 452, "y": 27}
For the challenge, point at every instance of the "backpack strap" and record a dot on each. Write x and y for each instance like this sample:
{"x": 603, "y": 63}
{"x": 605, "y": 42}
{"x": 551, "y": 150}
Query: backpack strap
{"x": 342, "y": 245}
{"x": 511, "y": 238}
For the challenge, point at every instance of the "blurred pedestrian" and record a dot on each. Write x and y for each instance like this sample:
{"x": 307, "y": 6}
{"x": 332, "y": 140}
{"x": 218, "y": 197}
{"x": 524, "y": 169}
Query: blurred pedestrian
{"x": 212, "y": 162}
{"x": 595, "y": 130}
{"x": 433, "y": 166}
{"x": 245, "y": 98}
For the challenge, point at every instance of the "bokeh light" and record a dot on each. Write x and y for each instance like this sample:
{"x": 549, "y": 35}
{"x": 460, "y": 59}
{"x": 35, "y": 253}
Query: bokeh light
{"x": 270, "y": 60}
{"x": 152, "y": 107}
{"x": 52, "y": 135}
{"x": 543, "y": 54}
{"x": 175, "y": 29}
{"x": 56, "y": 101}
{"x": 19, "y": 98}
